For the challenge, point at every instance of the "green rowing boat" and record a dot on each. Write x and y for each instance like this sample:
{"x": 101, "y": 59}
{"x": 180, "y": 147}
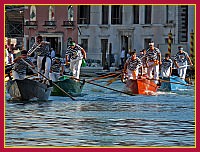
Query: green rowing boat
{"x": 73, "y": 87}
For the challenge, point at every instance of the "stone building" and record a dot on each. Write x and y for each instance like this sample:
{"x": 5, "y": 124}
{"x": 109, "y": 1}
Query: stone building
{"x": 104, "y": 29}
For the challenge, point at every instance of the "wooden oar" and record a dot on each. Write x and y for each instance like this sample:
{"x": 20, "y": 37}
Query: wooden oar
{"x": 112, "y": 80}
{"x": 172, "y": 82}
{"x": 31, "y": 75}
{"x": 176, "y": 83}
{"x": 49, "y": 80}
{"x": 102, "y": 86}
{"x": 29, "y": 54}
{"x": 103, "y": 76}
{"x": 184, "y": 66}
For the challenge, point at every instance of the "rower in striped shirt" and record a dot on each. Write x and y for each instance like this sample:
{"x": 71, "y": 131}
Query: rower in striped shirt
{"x": 132, "y": 65}
{"x": 75, "y": 54}
{"x": 41, "y": 49}
{"x": 166, "y": 67}
{"x": 180, "y": 61}
{"x": 153, "y": 60}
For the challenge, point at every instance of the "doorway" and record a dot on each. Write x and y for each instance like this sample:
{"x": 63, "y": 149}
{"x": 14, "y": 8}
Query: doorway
{"x": 125, "y": 44}
{"x": 54, "y": 43}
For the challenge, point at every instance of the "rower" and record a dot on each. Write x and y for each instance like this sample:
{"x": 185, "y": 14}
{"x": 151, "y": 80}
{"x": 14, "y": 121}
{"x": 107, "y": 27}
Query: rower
{"x": 166, "y": 67}
{"x": 153, "y": 61}
{"x": 180, "y": 61}
{"x": 57, "y": 68}
{"x": 43, "y": 56}
{"x": 133, "y": 63}
{"x": 19, "y": 68}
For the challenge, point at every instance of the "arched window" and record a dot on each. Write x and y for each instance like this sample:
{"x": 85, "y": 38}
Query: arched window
{"x": 70, "y": 13}
{"x": 33, "y": 13}
{"x": 51, "y": 13}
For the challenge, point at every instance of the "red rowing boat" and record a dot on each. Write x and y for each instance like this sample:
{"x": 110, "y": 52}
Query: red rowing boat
{"x": 141, "y": 86}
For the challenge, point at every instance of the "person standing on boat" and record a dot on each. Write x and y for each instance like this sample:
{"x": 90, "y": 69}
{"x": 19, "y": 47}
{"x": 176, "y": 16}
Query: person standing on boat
{"x": 131, "y": 66}
{"x": 43, "y": 56}
{"x": 153, "y": 60}
{"x": 122, "y": 56}
{"x": 57, "y": 69}
{"x": 142, "y": 57}
{"x": 75, "y": 54}
{"x": 166, "y": 67}
{"x": 180, "y": 61}
{"x": 20, "y": 68}
{"x": 9, "y": 55}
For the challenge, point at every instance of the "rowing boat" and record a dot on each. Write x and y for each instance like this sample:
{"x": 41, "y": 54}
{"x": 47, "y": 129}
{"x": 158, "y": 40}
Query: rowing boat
{"x": 141, "y": 86}
{"x": 71, "y": 86}
{"x": 27, "y": 89}
{"x": 173, "y": 83}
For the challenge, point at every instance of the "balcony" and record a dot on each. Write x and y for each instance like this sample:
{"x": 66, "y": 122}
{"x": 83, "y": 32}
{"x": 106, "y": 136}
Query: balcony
{"x": 50, "y": 24}
{"x": 68, "y": 24}
{"x": 31, "y": 24}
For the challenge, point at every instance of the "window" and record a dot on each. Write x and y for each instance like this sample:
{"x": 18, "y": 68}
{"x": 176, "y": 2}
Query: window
{"x": 167, "y": 14}
{"x": 84, "y": 14}
{"x": 146, "y": 43}
{"x": 182, "y": 23}
{"x": 105, "y": 14}
{"x": 136, "y": 14}
{"x": 104, "y": 50}
{"x": 84, "y": 44}
{"x": 148, "y": 11}
{"x": 116, "y": 14}
{"x": 70, "y": 13}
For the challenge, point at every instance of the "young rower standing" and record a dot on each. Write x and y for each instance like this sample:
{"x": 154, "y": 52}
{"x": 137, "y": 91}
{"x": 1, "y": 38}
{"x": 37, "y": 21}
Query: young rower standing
{"x": 142, "y": 57}
{"x": 19, "y": 68}
{"x": 75, "y": 54}
{"x": 153, "y": 60}
{"x": 57, "y": 69}
{"x": 132, "y": 65}
{"x": 166, "y": 67}
{"x": 43, "y": 56}
{"x": 180, "y": 61}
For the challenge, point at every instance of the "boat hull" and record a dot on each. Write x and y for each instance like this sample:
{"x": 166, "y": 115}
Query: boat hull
{"x": 141, "y": 86}
{"x": 173, "y": 83}
{"x": 70, "y": 86}
{"x": 28, "y": 89}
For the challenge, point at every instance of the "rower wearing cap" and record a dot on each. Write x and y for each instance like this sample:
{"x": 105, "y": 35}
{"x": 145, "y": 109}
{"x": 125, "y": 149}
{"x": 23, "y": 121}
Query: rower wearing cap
{"x": 75, "y": 54}
{"x": 153, "y": 60}
{"x": 57, "y": 68}
{"x": 41, "y": 48}
{"x": 133, "y": 63}
{"x": 19, "y": 68}
{"x": 180, "y": 61}
{"x": 143, "y": 59}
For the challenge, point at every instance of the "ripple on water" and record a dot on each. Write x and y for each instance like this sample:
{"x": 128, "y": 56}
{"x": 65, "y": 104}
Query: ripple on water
{"x": 102, "y": 117}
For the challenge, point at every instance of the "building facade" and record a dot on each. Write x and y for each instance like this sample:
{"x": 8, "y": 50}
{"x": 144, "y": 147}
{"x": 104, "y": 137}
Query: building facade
{"x": 105, "y": 29}
{"x": 56, "y": 24}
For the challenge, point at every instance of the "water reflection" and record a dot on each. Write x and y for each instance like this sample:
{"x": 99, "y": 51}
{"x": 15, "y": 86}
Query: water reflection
{"x": 103, "y": 119}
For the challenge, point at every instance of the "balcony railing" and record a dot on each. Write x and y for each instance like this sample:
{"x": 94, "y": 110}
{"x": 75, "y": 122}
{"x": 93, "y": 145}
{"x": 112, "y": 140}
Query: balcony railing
{"x": 31, "y": 24}
{"x": 68, "y": 24}
{"x": 50, "y": 24}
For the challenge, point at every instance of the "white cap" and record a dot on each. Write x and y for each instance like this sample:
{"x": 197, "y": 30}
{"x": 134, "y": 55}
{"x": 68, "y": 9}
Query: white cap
{"x": 151, "y": 43}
